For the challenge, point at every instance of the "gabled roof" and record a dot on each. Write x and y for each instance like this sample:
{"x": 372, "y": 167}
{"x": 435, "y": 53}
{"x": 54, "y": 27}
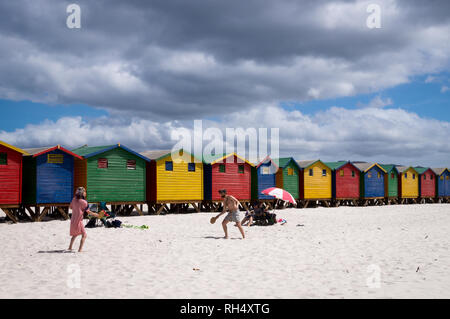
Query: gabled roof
{"x": 284, "y": 161}
{"x": 364, "y": 167}
{"x": 13, "y": 148}
{"x": 265, "y": 160}
{"x": 337, "y": 165}
{"x": 389, "y": 167}
{"x": 440, "y": 171}
{"x": 35, "y": 152}
{"x": 422, "y": 170}
{"x": 221, "y": 158}
{"x": 156, "y": 155}
{"x": 306, "y": 164}
{"x": 90, "y": 151}
{"x": 402, "y": 169}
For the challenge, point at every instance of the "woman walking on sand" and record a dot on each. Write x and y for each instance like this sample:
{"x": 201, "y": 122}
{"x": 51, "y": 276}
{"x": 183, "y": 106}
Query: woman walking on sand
{"x": 78, "y": 206}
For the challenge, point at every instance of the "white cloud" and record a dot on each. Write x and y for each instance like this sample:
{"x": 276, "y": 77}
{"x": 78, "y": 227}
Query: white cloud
{"x": 377, "y": 102}
{"x": 386, "y": 135}
{"x": 445, "y": 89}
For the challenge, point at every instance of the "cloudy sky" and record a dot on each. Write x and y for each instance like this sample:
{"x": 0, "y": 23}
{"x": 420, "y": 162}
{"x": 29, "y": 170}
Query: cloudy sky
{"x": 138, "y": 70}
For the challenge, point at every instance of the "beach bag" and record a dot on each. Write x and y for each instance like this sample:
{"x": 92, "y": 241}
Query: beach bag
{"x": 91, "y": 223}
{"x": 116, "y": 223}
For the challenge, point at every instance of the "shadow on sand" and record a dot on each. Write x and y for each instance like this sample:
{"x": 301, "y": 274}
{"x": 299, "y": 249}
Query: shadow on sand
{"x": 62, "y": 251}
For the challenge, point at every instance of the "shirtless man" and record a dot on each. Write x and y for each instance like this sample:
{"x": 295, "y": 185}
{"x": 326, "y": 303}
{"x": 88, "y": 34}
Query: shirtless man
{"x": 231, "y": 204}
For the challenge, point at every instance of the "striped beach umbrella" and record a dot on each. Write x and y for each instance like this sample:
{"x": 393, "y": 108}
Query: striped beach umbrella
{"x": 279, "y": 193}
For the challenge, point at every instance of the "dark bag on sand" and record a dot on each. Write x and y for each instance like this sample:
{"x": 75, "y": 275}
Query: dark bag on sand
{"x": 90, "y": 223}
{"x": 116, "y": 223}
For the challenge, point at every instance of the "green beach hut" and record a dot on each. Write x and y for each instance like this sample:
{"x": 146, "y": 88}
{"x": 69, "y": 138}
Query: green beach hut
{"x": 391, "y": 183}
{"x": 113, "y": 174}
{"x": 287, "y": 176}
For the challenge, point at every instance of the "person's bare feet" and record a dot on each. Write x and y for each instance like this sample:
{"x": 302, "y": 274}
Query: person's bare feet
{"x": 225, "y": 237}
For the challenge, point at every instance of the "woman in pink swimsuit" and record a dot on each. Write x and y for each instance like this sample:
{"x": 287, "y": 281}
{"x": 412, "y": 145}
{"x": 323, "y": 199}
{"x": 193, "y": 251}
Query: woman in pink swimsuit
{"x": 78, "y": 207}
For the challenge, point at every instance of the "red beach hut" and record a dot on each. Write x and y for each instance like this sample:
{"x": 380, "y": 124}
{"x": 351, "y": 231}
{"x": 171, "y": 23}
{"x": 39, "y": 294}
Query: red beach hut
{"x": 10, "y": 174}
{"x": 230, "y": 172}
{"x": 427, "y": 183}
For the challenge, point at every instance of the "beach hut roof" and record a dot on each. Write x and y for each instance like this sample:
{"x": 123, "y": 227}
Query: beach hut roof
{"x": 284, "y": 161}
{"x": 90, "y": 151}
{"x": 337, "y": 165}
{"x": 306, "y": 164}
{"x": 156, "y": 155}
{"x": 421, "y": 170}
{"x": 221, "y": 158}
{"x": 439, "y": 171}
{"x": 13, "y": 148}
{"x": 267, "y": 160}
{"x": 402, "y": 169}
{"x": 35, "y": 152}
{"x": 389, "y": 167}
{"x": 364, "y": 167}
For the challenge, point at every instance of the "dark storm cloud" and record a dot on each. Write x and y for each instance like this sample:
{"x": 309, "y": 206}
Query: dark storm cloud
{"x": 185, "y": 59}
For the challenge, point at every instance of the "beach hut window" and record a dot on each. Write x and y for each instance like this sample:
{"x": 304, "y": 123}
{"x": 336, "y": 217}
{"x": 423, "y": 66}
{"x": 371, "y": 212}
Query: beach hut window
{"x": 222, "y": 168}
{"x": 102, "y": 163}
{"x": 442, "y": 178}
{"x": 55, "y": 158}
{"x": 353, "y": 174}
{"x": 131, "y": 164}
{"x": 191, "y": 167}
{"x": 379, "y": 175}
{"x": 266, "y": 170}
{"x": 414, "y": 176}
{"x": 341, "y": 172}
{"x": 447, "y": 178}
{"x": 241, "y": 169}
{"x": 169, "y": 166}
{"x": 392, "y": 176}
{"x": 3, "y": 159}
{"x": 324, "y": 172}
{"x": 406, "y": 175}
{"x": 290, "y": 171}
{"x": 369, "y": 175}
{"x": 431, "y": 177}
{"x": 311, "y": 172}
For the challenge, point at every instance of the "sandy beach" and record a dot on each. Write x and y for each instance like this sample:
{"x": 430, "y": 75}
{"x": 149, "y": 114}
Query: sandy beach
{"x": 318, "y": 253}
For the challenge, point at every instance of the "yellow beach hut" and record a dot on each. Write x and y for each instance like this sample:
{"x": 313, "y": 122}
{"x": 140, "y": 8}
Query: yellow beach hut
{"x": 315, "y": 183}
{"x": 408, "y": 184}
{"x": 174, "y": 181}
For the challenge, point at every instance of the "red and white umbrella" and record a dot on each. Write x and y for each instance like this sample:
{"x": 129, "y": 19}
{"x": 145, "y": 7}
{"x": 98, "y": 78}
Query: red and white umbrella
{"x": 280, "y": 194}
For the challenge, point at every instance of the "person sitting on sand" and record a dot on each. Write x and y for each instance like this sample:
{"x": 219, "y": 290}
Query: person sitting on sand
{"x": 260, "y": 214}
{"x": 231, "y": 204}
{"x": 248, "y": 219}
{"x": 78, "y": 206}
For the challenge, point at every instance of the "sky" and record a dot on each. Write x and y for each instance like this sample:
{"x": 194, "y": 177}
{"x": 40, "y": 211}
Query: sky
{"x": 137, "y": 71}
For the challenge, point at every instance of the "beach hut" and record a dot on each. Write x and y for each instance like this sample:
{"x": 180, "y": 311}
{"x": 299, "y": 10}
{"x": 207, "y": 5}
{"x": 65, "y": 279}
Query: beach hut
{"x": 230, "y": 172}
{"x": 264, "y": 177}
{"x": 390, "y": 183}
{"x": 442, "y": 184}
{"x": 345, "y": 179}
{"x": 113, "y": 174}
{"x": 408, "y": 184}
{"x": 48, "y": 180}
{"x": 288, "y": 175}
{"x": 427, "y": 184}
{"x": 174, "y": 181}
{"x": 315, "y": 183}
{"x": 372, "y": 188}
{"x": 10, "y": 179}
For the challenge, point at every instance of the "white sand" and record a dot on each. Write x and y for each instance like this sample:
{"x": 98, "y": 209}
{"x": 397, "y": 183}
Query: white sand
{"x": 328, "y": 257}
